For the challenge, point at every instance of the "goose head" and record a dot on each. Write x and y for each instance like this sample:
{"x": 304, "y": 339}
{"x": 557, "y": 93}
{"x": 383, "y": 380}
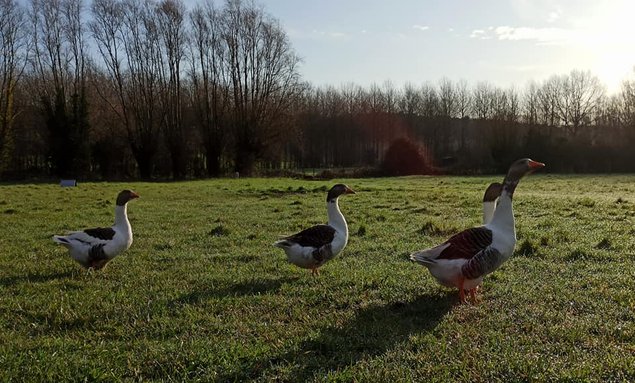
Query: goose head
{"x": 126, "y": 196}
{"x": 521, "y": 168}
{"x": 518, "y": 170}
{"x": 338, "y": 190}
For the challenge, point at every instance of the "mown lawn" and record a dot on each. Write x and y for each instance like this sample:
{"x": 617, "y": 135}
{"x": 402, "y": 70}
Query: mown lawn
{"x": 202, "y": 294}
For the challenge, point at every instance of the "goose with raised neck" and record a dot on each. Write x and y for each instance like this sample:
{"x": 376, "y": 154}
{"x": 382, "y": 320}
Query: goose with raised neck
{"x": 313, "y": 247}
{"x": 94, "y": 248}
{"x": 463, "y": 260}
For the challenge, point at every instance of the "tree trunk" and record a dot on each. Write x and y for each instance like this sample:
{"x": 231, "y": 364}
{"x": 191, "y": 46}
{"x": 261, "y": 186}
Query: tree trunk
{"x": 212, "y": 159}
{"x": 144, "y": 158}
{"x": 245, "y": 159}
{"x": 177, "y": 155}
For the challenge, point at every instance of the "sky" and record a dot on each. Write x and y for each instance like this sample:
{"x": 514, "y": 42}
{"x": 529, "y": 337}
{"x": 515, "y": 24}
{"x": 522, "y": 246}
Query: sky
{"x": 506, "y": 43}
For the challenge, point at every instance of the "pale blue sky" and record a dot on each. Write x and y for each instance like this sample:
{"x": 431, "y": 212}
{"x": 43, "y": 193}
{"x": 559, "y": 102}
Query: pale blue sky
{"x": 503, "y": 42}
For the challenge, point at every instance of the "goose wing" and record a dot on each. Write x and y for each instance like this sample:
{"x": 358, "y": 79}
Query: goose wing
{"x": 315, "y": 236}
{"x": 463, "y": 245}
{"x": 95, "y": 236}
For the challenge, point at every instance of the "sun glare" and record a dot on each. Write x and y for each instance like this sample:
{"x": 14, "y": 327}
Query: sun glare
{"x": 611, "y": 39}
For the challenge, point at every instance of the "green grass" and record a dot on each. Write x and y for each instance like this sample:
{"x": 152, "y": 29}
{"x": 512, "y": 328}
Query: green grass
{"x": 202, "y": 294}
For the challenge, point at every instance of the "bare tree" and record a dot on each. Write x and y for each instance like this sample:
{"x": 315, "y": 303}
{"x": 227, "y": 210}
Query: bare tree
{"x": 13, "y": 59}
{"x": 410, "y": 102}
{"x": 463, "y": 99}
{"x": 430, "y": 100}
{"x": 627, "y": 100}
{"x": 482, "y": 97}
{"x": 264, "y": 79}
{"x": 379, "y": 119}
{"x": 389, "y": 97}
{"x": 512, "y": 105}
{"x": 448, "y": 103}
{"x": 531, "y": 103}
{"x": 128, "y": 38}
{"x": 580, "y": 97}
{"x": 464, "y": 105}
{"x": 60, "y": 62}
{"x": 626, "y": 110}
{"x": 548, "y": 95}
{"x": 171, "y": 24}
{"x": 375, "y": 98}
{"x": 209, "y": 76}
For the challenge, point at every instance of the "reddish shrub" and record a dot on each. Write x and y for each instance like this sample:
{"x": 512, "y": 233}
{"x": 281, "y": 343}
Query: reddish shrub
{"x": 406, "y": 157}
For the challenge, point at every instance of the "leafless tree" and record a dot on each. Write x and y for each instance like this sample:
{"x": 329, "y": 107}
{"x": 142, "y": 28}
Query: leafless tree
{"x": 210, "y": 81}
{"x": 430, "y": 100}
{"x": 375, "y": 98}
{"x": 128, "y": 38}
{"x": 13, "y": 59}
{"x": 625, "y": 110}
{"x": 59, "y": 60}
{"x": 173, "y": 39}
{"x": 627, "y": 96}
{"x": 482, "y": 100}
{"x": 448, "y": 103}
{"x": 513, "y": 105}
{"x": 464, "y": 105}
{"x": 389, "y": 97}
{"x": 530, "y": 103}
{"x": 463, "y": 99}
{"x": 410, "y": 102}
{"x": 548, "y": 96}
{"x": 264, "y": 79}
{"x": 580, "y": 96}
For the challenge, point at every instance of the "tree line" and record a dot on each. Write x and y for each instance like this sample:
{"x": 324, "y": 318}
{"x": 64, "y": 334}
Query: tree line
{"x": 151, "y": 89}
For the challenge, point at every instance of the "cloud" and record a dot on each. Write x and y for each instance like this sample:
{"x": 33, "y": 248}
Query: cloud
{"x": 336, "y": 35}
{"x": 421, "y": 27}
{"x": 479, "y": 34}
{"x": 541, "y": 35}
{"x": 554, "y": 15}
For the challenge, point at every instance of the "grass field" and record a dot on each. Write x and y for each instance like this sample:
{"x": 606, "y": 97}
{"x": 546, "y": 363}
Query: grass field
{"x": 202, "y": 294}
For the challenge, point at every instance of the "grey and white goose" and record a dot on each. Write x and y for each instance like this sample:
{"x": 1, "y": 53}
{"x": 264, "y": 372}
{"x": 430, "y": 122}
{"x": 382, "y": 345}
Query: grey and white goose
{"x": 313, "y": 247}
{"x": 463, "y": 260}
{"x": 94, "y": 248}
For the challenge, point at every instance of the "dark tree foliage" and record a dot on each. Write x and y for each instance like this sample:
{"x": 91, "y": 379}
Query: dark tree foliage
{"x": 68, "y": 134}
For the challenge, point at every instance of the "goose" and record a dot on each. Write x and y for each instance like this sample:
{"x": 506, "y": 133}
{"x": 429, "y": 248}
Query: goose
{"x": 94, "y": 248}
{"x": 313, "y": 247}
{"x": 463, "y": 260}
{"x": 490, "y": 197}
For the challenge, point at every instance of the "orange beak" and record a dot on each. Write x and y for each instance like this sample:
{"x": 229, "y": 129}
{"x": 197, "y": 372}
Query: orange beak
{"x": 350, "y": 191}
{"x": 535, "y": 164}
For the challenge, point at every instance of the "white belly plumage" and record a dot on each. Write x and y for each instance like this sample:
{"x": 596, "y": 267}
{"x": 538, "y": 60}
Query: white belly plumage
{"x": 448, "y": 273}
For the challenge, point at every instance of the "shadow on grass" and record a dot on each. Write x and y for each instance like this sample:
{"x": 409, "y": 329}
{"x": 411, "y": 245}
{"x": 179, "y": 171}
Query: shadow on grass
{"x": 33, "y": 278}
{"x": 254, "y": 287}
{"x": 374, "y": 331}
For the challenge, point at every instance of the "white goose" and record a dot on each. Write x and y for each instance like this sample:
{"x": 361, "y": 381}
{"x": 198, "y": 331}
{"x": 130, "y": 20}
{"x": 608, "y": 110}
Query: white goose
{"x": 313, "y": 247}
{"x": 466, "y": 257}
{"x": 94, "y": 248}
